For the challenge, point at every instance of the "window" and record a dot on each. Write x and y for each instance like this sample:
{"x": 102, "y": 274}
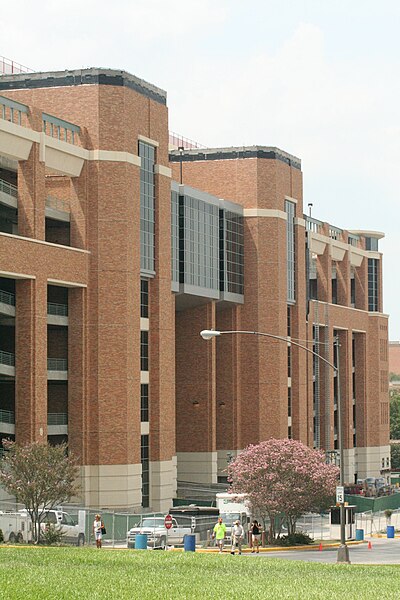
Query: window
{"x": 144, "y": 298}
{"x": 373, "y": 284}
{"x": 290, "y": 250}
{"x": 289, "y": 397}
{"x": 147, "y": 200}
{"x": 199, "y": 243}
{"x": 334, "y": 291}
{"x": 175, "y": 236}
{"x": 144, "y": 402}
{"x": 145, "y": 461}
{"x": 231, "y": 255}
{"x": 144, "y": 350}
{"x": 353, "y": 290}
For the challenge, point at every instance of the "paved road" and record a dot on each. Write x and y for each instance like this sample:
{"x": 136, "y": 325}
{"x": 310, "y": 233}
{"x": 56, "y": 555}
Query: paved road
{"x": 383, "y": 551}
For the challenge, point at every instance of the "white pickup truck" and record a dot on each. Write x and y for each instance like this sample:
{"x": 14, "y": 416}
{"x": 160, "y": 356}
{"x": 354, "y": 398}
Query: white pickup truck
{"x": 17, "y": 526}
{"x": 157, "y": 535}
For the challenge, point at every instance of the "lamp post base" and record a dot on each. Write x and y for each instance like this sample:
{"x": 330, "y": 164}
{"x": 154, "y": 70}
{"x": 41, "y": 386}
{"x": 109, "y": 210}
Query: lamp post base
{"x": 343, "y": 554}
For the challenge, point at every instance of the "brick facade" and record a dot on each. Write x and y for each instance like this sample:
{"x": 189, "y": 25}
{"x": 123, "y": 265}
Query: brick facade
{"x": 76, "y": 242}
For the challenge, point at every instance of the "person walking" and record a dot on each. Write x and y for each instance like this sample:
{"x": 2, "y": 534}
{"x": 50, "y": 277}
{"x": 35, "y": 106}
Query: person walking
{"x": 98, "y": 527}
{"x": 219, "y": 534}
{"x": 255, "y": 530}
{"x": 237, "y": 537}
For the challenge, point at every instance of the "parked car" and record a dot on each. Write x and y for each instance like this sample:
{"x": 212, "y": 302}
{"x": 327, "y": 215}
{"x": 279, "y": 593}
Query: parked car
{"x": 157, "y": 535}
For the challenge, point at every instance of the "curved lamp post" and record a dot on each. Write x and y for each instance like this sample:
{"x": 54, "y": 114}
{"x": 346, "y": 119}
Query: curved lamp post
{"x": 208, "y": 334}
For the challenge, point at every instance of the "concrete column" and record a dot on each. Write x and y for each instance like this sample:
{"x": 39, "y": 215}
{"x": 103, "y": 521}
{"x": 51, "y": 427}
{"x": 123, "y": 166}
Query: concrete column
{"x": 31, "y": 361}
{"x": 32, "y": 196}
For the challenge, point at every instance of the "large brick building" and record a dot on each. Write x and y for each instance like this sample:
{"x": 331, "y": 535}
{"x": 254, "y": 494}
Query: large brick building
{"x": 115, "y": 252}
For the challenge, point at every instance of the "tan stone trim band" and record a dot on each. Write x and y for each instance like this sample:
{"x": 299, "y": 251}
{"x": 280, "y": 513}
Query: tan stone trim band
{"x": 161, "y": 170}
{"x": 147, "y": 140}
{"x": 10, "y": 275}
{"x": 34, "y": 241}
{"x": 114, "y": 156}
{"x": 265, "y": 212}
{"x": 71, "y": 284}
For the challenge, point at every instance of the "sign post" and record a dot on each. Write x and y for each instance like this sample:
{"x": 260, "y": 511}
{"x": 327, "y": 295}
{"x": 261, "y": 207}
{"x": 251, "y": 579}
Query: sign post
{"x": 168, "y": 524}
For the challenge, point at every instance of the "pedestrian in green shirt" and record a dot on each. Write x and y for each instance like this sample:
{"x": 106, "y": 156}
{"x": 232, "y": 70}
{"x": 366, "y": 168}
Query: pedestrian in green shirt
{"x": 219, "y": 534}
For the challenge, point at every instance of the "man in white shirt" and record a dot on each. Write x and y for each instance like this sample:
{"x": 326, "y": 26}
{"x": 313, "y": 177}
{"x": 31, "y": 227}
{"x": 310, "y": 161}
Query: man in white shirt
{"x": 237, "y": 537}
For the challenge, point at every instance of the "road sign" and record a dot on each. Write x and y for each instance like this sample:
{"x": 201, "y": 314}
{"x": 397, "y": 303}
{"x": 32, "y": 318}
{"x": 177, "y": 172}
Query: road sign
{"x": 339, "y": 494}
{"x": 168, "y": 522}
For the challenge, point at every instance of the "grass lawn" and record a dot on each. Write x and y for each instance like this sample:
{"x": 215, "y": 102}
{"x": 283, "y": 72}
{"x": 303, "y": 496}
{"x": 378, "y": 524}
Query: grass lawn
{"x": 58, "y": 573}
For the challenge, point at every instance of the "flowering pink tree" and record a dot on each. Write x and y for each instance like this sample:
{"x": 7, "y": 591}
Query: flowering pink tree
{"x": 284, "y": 478}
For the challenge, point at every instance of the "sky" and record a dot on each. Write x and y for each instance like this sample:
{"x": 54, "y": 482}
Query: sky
{"x": 316, "y": 78}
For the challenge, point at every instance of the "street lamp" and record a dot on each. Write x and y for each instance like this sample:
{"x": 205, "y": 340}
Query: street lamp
{"x": 208, "y": 334}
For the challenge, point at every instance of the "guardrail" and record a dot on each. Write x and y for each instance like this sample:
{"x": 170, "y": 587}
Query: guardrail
{"x": 7, "y": 416}
{"x": 7, "y": 298}
{"x": 8, "y": 188}
{"x": 57, "y": 418}
{"x": 6, "y": 358}
{"x": 313, "y": 224}
{"x": 9, "y": 109}
{"x": 57, "y": 364}
{"x": 60, "y": 129}
{"x": 59, "y": 310}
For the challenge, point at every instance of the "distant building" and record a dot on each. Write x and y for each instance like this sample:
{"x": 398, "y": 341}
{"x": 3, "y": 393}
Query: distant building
{"x": 394, "y": 358}
{"x": 115, "y": 254}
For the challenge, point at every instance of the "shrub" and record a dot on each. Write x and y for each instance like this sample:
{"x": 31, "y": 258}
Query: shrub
{"x": 51, "y": 535}
{"x": 1, "y": 536}
{"x": 295, "y": 539}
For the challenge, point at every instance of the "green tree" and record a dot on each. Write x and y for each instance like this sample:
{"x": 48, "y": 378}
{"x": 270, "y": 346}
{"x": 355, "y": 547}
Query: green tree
{"x": 40, "y": 476}
{"x": 395, "y": 417}
{"x": 395, "y": 456}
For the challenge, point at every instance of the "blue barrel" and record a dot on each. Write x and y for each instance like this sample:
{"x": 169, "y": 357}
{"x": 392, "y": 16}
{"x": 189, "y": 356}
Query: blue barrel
{"x": 359, "y": 535}
{"x": 189, "y": 543}
{"x": 141, "y": 541}
{"x": 390, "y": 531}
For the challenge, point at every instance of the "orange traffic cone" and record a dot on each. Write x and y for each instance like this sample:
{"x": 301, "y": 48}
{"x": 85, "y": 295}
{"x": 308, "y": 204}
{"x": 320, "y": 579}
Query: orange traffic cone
{"x": 320, "y": 546}
{"x": 369, "y": 546}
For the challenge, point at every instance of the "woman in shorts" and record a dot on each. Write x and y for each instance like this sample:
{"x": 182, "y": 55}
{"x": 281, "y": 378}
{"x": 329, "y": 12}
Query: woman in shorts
{"x": 255, "y": 530}
{"x": 97, "y": 527}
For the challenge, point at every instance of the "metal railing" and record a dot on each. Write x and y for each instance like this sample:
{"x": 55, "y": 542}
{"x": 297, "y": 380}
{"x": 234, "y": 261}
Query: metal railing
{"x": 11, "y": 110}
{"x": 335, "y": 233}
{"x": 7, "y": 416}
{"x": 6, "y": 358}
{"x": 354, "y": 240}
{"x": 313, "y": 225}
{"x": 60, "y": 129}
{"x": 7, "y": 298}
{"x": 11, "y": 67}
{"x": 57, "y": 418}
{"x": 8, "y": 188}
{"x": 176, "y": 139}
{"x": 59, "y": 310}
{"x": 57, "y": 364}
{"x": 58, "y": 204}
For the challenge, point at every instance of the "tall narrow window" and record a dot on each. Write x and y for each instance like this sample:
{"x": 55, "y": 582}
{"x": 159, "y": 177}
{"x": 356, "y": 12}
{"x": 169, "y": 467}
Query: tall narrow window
{"x": 145, "y": 460}
{"x": 144, "y": 402}
{"x": 147, "y": 215}
{"x": 373, "y": 284}
{"x": 144, "y": 298}
{"x": 144, "y": 350}
{"x": 290, "y": 250}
